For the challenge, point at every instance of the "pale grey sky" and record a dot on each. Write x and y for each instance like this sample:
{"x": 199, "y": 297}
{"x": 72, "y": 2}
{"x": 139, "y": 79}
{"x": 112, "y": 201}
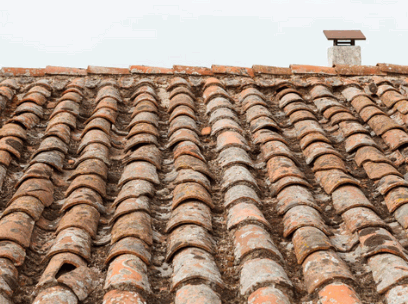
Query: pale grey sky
{"x": 196, "y": 32}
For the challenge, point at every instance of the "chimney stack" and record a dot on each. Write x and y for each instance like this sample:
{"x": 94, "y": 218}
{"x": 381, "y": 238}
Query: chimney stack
{"x": 344, "y": 50}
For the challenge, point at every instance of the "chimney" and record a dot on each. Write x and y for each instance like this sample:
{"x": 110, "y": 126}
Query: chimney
{"x": 344, "y": 50}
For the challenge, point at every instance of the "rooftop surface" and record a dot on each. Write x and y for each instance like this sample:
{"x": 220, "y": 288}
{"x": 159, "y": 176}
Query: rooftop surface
{"x": 204, "y": 185}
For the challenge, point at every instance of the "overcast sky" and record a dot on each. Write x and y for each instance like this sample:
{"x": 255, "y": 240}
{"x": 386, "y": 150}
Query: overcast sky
{"x": 196, "y": 32}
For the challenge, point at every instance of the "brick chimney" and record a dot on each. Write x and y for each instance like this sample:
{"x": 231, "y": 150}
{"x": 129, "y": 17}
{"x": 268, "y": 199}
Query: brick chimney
{"x": 344, "y": 50}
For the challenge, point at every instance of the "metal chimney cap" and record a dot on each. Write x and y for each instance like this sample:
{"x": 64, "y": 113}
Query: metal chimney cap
{"x": 344, "y": 35}
{"x": 347, "y": 37}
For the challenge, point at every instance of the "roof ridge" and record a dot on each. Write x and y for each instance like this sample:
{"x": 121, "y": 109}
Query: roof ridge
{"x": 381, "y": 69}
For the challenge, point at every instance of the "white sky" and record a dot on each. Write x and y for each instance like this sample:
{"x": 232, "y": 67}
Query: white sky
{"x": 197, "y": 32}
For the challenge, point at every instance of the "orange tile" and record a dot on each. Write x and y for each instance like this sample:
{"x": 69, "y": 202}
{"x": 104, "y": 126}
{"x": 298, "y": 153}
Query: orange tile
{"x": 232, "y": 70}
{"x": 190, "y": 212}
{"x": 358, "y": 70}
{"x": 312, "y": 69}
{"x": 188, "y": 236}
{"x": 127, "y": 270}
{"x": 393, "y": 68}
{"x": 142, "y": 69}
{"x": 338, "y": 293}
{"x": 196, "y": 294}
{"x": 206, "y": 131}
{"x": 23, "y": 72}
{"x": 194, "y": 263}
{"x": 388, "y": 270}
{"x": 179, "y": 82}
{"x": 323, "y": 266}
{"x": 129, "y": 245}
{"x": 271, "y": 70}
{"x": 243, "y": 212}
{"x": 57, "y": 70}
{"x": 135, "y": 224}
{"x": 307, "y": 240}
{"x": 106, "y": 70}
{"x": 189, "y": 191}
{"x": 56, "y": 294}
{"x": 123, "y": 297}
{"x": 73, "y": 240}
{"x": 192, "y": 70}
{"x": 258, "y": 272}
{"x": 214, "y": 91}
{"x": 303, "y": 216}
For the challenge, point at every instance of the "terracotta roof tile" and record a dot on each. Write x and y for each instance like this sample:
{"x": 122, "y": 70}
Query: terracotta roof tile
{"x": 23, "y": 72}
{"x": 271, "y": 70}
{"x": 232, "y": 70}
{"x": 358, "y": 70}
{"x": 141, "y": 69}
{"x": 192, "y": 70}
{"x": 393, "y": 68}
{"x": 312, "y": 69}
{"x": 106, "y": 70}
{"x": 56, "y": 70}
{"x": 337, "y": 293}
{"x": 287, "y": 166}
{"x": 119, "y": 296}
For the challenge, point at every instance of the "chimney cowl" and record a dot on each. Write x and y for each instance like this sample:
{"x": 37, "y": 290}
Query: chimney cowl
{"x": 344, "y": 50}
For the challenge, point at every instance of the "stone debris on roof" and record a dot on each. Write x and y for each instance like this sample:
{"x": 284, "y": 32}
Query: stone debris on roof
{"x": 204, "y": 185}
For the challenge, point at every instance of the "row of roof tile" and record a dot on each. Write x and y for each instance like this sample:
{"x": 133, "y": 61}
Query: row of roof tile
{"x": 295, "y": 69}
